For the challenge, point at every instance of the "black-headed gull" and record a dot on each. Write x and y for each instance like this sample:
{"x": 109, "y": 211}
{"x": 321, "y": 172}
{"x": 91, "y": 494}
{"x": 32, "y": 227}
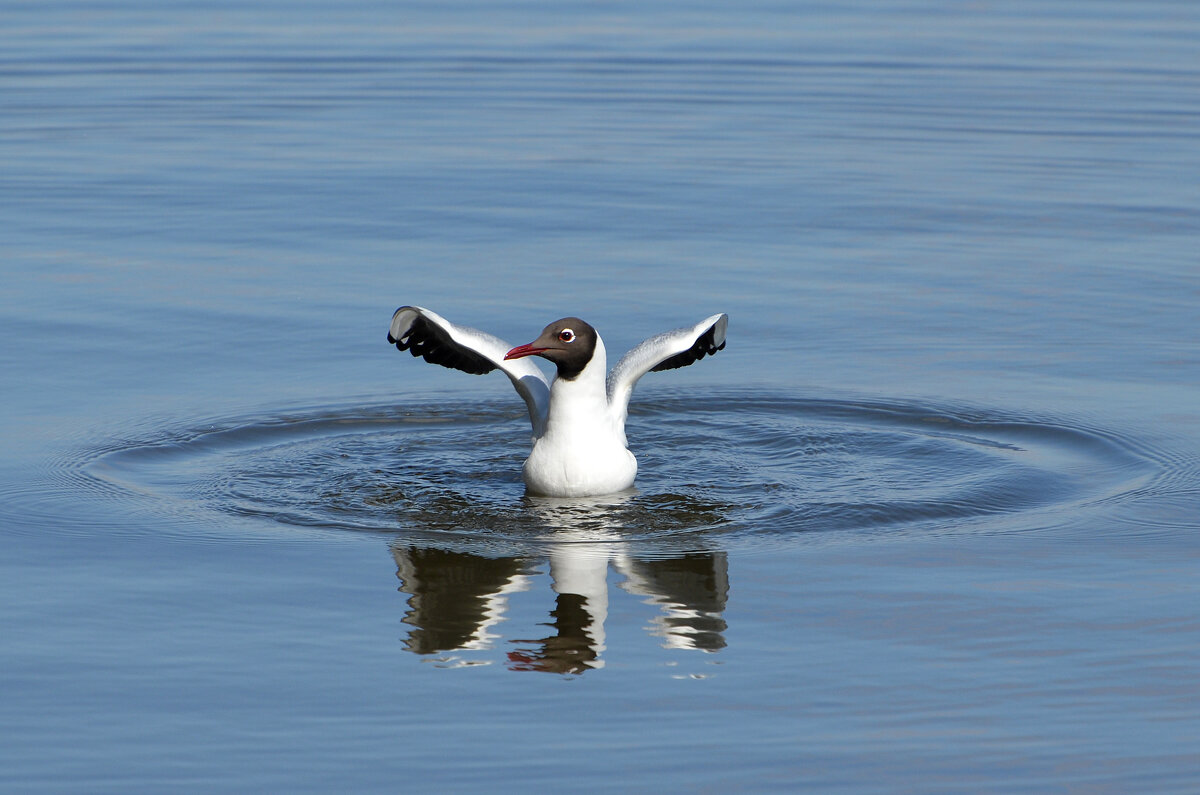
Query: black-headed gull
{"x": 579, "y": 418}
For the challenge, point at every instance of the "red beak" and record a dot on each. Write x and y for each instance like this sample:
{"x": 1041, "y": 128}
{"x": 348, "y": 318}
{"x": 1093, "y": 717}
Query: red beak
{"x": 523, "y": 350}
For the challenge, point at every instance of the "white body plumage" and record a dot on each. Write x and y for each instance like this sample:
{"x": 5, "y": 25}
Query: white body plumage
{"x": 582, "y": 450}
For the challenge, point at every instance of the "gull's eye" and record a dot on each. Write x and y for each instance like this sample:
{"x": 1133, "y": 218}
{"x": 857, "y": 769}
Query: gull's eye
{"x": 566, "y": 335}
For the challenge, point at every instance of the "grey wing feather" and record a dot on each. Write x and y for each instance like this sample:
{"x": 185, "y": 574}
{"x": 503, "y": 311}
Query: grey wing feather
{"x": 666, "y": 351}
{"x": 430, "y": 336}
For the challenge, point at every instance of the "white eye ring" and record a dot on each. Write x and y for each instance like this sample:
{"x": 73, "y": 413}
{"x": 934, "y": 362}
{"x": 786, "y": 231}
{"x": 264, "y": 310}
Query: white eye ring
{"x": 566, "y": 335}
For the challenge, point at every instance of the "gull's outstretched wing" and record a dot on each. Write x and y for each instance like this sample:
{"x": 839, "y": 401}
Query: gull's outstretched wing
{"x": 666, "y": 351}
{"x": 430, "y": 336}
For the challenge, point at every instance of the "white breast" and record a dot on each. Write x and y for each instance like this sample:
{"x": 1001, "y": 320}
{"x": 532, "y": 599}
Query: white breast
{"x": 582, "y": 450}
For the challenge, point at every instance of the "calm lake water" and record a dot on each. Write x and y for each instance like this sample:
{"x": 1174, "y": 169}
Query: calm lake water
{"x": 928, "y": 523}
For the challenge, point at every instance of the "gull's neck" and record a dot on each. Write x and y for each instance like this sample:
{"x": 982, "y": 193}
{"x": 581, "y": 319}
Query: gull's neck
{"x": 581, "y": 401}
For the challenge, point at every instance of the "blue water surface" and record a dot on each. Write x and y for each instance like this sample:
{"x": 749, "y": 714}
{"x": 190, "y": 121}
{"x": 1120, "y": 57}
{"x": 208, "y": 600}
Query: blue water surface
{"x": 928, "y": 523}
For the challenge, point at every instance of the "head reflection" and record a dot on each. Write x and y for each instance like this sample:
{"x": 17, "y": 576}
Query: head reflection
{"x": 458, "y": 597}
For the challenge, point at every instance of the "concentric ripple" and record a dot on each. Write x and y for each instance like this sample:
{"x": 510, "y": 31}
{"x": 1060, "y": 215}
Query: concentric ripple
{"x": 713, "y": 471}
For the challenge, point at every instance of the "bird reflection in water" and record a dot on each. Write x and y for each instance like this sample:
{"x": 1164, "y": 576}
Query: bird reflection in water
{"x": 457, "y": 597}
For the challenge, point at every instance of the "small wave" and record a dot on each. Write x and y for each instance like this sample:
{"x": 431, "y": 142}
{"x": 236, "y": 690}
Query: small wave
{"x": 729, "y": 468}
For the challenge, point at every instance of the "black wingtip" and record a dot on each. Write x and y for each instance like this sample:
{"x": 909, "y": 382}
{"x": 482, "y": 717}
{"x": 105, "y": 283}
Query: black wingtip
{"x": 704, "y": 346}
{"x": 426, "y": 340}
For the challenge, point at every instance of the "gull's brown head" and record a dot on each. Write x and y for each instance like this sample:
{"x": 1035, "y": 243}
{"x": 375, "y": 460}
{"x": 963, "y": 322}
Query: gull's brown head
{"x": 569, "y": 343}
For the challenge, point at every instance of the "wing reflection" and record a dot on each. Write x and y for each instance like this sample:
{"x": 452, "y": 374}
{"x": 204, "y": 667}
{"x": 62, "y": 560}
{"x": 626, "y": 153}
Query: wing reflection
{"x": 454, "y": 597}
{"x": 691, "y": 591}
{"x": 458, "y": 597}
